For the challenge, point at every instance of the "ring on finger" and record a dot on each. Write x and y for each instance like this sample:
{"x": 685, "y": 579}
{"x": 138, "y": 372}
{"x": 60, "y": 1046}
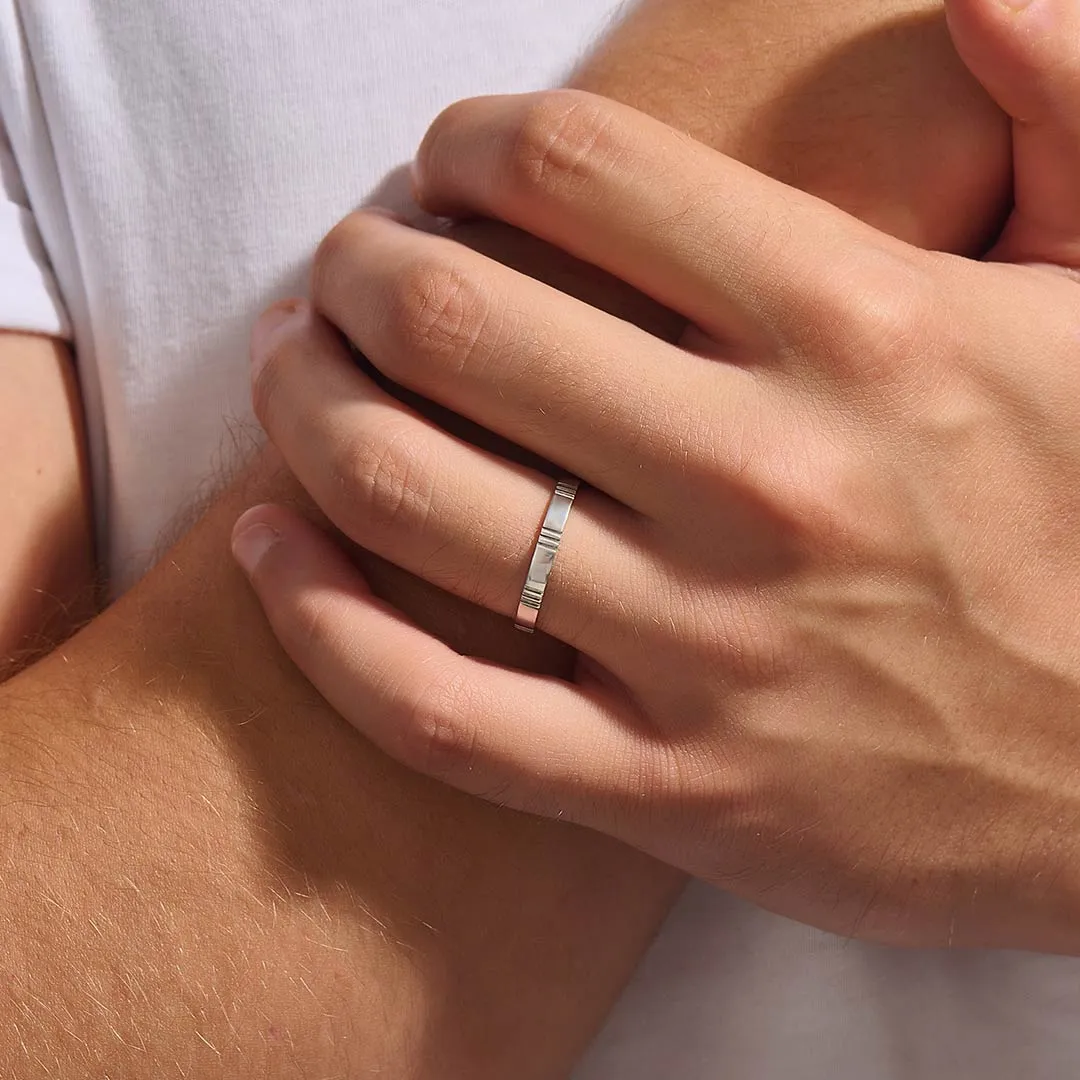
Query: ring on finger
{"x": 544, "y": 552}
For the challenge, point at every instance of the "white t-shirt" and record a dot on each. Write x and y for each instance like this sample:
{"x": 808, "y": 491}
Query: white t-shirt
{"x": 167, "y": 169}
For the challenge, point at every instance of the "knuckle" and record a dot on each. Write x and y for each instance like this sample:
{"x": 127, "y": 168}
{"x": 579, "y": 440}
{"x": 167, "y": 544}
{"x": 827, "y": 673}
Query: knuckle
{"x": 443, "y": 133}
{"x": 266, "y": 386}
{"x": 819, "y": 511}
{"x": 739, "y": 626}
{"x": 436, "y": 312}
{"x": 439, "y": 737}
{"x": 333, "y": 256}
{"x": 885, "y": 318}
{"x": 315, "y": 627}
{"x": 727, "y": 778}
{"x": 846, "y": 506}
{"x": 560, "y": 143}
{"x": 762, "y": 653}
{"x": 891, "y": 328}
{"x": 382, "y": 475}
{"x": 793, "y": 495}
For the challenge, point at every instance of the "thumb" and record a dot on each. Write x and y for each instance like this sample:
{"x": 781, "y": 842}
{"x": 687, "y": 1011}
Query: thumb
{"x": 1027, "y": 55}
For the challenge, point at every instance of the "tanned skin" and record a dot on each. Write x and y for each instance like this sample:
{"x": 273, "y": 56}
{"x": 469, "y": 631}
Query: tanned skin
{"x": 205, "y": 871}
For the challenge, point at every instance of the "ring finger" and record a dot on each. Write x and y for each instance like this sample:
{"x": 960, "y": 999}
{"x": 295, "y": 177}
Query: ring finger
{"x": 457, "y": 516}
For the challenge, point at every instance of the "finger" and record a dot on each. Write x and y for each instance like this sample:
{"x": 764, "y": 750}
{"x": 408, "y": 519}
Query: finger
{"x": 730, "y": 249}
{"x": 459, "y": 517}
{"x": 527, "y": 741}
{"x": 597, "y": 396}
{"x": 1027, "y": 55}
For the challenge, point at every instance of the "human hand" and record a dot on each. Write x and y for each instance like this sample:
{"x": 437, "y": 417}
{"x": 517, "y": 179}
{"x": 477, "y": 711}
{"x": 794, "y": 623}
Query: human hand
{"x": 823, "y": 580}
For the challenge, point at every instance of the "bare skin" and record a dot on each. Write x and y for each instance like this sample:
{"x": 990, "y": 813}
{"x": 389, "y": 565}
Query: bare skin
{"x": 206, "y": 871}
{"x": 46, "y": 552}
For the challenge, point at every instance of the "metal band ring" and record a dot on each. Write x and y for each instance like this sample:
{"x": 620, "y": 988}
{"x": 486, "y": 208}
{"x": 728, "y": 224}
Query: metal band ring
{"x": 543, "y": 558}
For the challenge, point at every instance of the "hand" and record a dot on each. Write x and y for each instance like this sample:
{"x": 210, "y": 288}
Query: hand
{"x": 825, "y": 578}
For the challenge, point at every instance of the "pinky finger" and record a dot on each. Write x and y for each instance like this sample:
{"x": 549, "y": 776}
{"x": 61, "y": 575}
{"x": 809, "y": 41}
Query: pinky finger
{"x": 528, "y": 741}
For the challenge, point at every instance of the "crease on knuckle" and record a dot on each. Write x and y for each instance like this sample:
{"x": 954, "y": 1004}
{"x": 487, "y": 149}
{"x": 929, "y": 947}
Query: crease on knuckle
{"x": 382, "y": 476}
{"x": 441, "y": 731}
{"x": 314, "y": 628}
{"x": 439, "y": 313}
{"x": 559, "y": 143}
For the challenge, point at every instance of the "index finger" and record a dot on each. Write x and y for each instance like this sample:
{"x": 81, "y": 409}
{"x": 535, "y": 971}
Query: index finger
{"x": 730, "y": 249}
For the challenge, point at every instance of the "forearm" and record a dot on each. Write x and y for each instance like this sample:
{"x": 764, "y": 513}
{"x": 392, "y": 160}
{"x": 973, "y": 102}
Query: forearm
{"x": 202, "y": 861}
{"x": 199, "y": 850}
{"x": 864, "y": 104}
{"x": 46, "y": 551}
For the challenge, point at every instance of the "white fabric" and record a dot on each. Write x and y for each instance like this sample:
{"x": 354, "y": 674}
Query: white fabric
{"x": 180, "y": 159}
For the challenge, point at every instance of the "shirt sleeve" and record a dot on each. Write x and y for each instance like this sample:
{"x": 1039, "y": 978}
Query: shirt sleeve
{"x": 29, "y": 297}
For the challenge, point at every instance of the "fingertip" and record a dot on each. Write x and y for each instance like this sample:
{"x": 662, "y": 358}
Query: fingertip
{"x": 253, "y": 536}
{"x": 264, "y": 535}
{"x": 451, "y": 156}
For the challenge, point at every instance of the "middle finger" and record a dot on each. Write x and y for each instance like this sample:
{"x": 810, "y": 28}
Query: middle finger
{"x": 587, "y": 391}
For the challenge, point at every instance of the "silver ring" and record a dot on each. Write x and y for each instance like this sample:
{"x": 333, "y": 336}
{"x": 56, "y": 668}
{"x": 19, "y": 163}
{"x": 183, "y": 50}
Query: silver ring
{"x": 543, "y": 558}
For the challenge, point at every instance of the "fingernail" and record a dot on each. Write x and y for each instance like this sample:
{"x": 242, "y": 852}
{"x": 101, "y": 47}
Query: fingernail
{"x": 1016, "y": 5}
{"x": 251, "y": 540}
{"x": 272, "y": 326}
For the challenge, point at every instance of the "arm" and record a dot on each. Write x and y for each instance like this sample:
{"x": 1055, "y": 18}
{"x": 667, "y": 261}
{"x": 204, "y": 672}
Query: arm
{"x": 199, "y": 850}
{"x": 205, "y": 866}
{"x": 46, "y": 557}
{"x": 866, "y": 105}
